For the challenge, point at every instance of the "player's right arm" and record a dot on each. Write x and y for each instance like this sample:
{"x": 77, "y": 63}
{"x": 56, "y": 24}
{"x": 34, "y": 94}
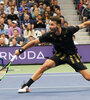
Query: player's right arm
{"x": 29, "y": 44}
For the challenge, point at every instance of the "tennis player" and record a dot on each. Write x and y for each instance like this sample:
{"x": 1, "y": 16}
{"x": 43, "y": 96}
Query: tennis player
{"x": 66, "y": 52}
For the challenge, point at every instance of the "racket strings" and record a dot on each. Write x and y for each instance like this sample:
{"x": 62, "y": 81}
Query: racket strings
{"x": 2, "y": 72}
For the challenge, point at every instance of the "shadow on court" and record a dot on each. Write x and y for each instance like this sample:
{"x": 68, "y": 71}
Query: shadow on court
{"x": 51, "y": 86}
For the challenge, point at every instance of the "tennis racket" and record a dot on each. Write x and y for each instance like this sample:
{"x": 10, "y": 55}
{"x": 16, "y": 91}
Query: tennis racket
{"x": 4, "y": 70}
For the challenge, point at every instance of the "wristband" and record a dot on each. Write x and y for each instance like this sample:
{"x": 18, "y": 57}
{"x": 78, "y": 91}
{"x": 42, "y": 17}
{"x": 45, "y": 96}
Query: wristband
{"x": 21, "y": 50}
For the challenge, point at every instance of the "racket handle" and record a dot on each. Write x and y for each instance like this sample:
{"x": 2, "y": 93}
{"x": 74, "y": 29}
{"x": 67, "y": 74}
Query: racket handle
{"x": 13, "y": 58}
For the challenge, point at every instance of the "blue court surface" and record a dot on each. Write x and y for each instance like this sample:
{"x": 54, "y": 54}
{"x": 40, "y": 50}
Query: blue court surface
{"x": 51, "y": 86}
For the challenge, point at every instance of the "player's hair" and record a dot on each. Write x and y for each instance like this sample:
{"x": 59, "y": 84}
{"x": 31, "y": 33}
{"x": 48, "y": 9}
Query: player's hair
{"x": 56, "y": 18}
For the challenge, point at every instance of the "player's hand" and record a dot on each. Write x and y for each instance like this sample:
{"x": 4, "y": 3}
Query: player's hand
{"x": 17, "y": 52}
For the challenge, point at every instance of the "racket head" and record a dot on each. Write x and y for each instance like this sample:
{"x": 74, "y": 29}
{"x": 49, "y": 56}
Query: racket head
{"x": 4, "y": 70}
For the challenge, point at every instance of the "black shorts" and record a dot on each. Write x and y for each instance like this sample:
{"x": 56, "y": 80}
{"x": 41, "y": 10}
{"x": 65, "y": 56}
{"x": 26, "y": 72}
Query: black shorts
{"x": 73, "y": 60}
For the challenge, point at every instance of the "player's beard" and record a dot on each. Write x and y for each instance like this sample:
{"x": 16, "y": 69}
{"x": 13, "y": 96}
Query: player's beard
{"x": 54, "y": 29}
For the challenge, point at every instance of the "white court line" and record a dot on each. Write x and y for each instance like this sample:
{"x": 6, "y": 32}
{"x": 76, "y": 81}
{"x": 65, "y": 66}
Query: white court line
{"x": 25, "y": 75}
{"x": 62, "y": 87}
{"x": 8, "y": 88}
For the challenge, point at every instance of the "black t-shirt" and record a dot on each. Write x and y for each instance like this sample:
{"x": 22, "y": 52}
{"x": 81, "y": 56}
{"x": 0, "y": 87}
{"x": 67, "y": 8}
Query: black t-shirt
{"x": 64, "y": 42}
{"x": 12, "y": 17}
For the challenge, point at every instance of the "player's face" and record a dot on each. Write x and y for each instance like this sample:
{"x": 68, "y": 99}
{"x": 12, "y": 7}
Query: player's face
{"x": 53, "y": 26}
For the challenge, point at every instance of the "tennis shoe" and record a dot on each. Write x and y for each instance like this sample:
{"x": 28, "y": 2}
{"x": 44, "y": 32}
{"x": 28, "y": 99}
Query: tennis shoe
{"x": 24, "y": 89}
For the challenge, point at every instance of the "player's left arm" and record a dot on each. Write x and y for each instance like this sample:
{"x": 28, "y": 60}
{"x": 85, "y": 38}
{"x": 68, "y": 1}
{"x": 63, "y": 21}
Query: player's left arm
{"x": 84, "y": 25}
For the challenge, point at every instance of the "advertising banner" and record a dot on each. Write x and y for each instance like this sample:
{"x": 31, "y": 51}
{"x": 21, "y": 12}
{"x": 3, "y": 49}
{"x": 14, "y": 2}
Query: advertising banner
{"x": 38, "y": 54}
{"x": 34, "y": 55}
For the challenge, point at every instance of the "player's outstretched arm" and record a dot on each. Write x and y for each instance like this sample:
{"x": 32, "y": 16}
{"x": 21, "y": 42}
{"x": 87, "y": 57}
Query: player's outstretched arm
{"x": 84, "y": 25}
{"x": 29, "y": 44}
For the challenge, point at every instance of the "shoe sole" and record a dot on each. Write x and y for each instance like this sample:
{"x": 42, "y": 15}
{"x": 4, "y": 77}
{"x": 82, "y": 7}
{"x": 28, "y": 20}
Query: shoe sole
{"x": 27, "y": 91}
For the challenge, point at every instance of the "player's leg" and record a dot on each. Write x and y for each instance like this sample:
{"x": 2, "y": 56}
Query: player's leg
{"x": 55, "y": 60}
{"x": 86, "y": 74}
{"x": 75, "y": 61}
{"x": 47, "y": 65}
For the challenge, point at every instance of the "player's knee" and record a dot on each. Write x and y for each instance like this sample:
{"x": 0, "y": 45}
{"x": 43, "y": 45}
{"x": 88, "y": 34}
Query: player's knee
{"x": 49, "y": 62}
{"x": 87, "y": 77}
{"x": 43, "y": 68}
{"x": 47, "y": 65}
{"x": 85, "y": 74}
